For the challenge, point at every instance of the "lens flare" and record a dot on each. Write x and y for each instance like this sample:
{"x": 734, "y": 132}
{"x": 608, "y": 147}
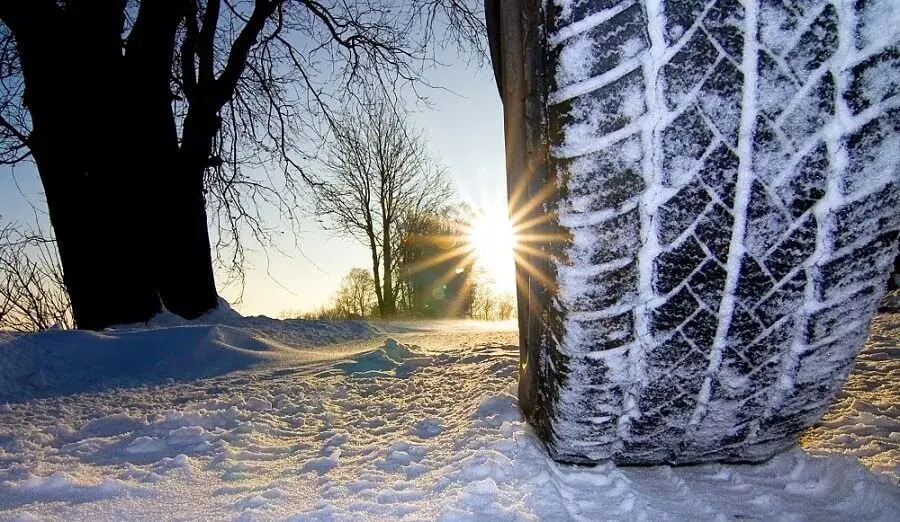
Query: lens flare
{"x": 493, "y": 242}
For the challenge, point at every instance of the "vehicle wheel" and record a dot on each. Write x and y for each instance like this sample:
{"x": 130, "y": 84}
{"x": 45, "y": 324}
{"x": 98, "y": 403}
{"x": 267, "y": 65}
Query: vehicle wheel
{"x": 718, "y": 205}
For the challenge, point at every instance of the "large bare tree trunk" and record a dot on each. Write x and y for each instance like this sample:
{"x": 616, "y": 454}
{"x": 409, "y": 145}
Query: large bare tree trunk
{"x": 125, "y": 202}
{"x": 186, "y": 283}
{"x": 185, "y": 277}
{"x": 104, "y": 272}
{"x": 182, "y": 271}
{"x": 76, "y": 146}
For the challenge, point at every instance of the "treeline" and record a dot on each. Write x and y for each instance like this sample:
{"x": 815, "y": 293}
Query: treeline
{"x": 434, "y": 275}
{"x": 355, "y": 299}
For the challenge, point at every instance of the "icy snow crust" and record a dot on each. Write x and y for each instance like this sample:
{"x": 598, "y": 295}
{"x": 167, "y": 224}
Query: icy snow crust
{"x": 423, "y": 425}
{"x": 729, "y": 175}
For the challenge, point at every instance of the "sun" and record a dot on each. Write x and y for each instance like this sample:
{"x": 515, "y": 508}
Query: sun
{"x": 493, "y": 241}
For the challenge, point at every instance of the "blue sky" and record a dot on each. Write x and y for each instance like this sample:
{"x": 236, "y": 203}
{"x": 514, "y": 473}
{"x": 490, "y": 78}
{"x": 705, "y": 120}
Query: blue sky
{"x": 465, "y": 131}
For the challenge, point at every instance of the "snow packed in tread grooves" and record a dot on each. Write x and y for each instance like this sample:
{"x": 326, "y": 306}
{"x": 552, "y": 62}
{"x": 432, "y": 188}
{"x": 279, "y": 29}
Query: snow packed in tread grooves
{"x": 655, "y": 195}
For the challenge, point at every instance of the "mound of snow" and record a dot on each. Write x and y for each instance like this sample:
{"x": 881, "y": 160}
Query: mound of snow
{"x": 63, "y": 487}
{"x": 393, "y": 359}
{"x": 223, "y": 313}
{"x": 56, "y": 362}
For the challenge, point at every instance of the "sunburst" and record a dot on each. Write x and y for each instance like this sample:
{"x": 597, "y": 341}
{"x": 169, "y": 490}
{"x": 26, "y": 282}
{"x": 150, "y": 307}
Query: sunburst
{"x": 492, "y": 241}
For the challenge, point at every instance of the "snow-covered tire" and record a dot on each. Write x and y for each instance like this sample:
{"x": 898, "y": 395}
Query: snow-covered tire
{"x": 723, "y": 197}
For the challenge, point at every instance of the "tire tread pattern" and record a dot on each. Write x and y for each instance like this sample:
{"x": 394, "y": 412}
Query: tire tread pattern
{"x": 675, "y": 343}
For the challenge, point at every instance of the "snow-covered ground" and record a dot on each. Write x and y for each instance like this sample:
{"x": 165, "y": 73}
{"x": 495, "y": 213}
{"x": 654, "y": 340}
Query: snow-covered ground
{"x": 333, "y": 421}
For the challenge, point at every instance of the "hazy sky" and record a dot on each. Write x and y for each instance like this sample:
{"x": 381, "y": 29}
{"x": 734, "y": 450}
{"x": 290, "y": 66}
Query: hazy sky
{"x": 465, "y": 131}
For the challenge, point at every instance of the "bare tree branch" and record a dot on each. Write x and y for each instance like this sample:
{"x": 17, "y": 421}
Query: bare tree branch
{"x": 206, "y": 41}
{"x": 376, "y": 171}
{"x": 188, "y": 50}
{"x": 225, "y": 85}
{"x": 32, "y": 291}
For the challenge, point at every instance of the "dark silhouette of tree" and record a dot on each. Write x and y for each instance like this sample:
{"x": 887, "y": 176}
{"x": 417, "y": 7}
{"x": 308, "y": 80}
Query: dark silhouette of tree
{"x": 377, "y": 176}
{"x": 141, "y": 115}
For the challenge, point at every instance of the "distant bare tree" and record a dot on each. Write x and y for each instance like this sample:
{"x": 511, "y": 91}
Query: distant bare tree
{"x": 326, "y": 312}
{"x": 484, "y": 303}
{"x": 377, "y": 173}
{"x": 355, "y": 298}
{"x": 290, "y": 313}
{"x": 32, "y": 293}
{"x": 506, "y": 303}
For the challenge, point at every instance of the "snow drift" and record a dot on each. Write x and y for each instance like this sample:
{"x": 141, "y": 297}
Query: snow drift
{"x": 168, "y": 348}
{"x": 424, "y": 425}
